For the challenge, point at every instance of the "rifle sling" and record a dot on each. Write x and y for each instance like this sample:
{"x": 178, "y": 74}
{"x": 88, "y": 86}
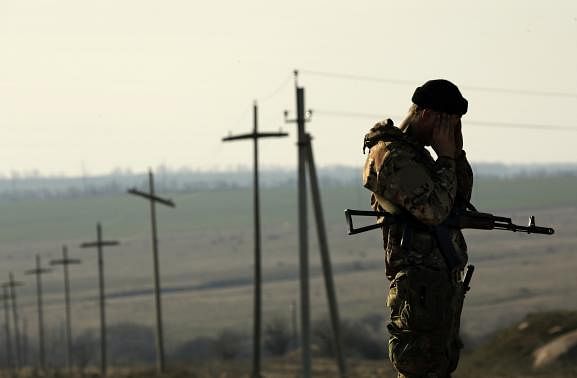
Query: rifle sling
{"x": 446, "y": 247}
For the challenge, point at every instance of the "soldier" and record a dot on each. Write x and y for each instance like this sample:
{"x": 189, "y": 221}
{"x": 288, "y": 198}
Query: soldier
{"x": 426, "y": 291}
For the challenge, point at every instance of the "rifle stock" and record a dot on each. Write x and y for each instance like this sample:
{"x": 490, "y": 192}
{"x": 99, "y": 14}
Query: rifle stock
{"x": 349, "y": 217}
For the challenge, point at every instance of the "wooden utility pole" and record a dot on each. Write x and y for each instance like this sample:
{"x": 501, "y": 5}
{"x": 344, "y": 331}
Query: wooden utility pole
{"x": 294, "y": 323}
{"x": 305, "y": 158}
{"x": 325, "y": 257}
{"x": 303, "y": 229}
{"x": 25, "y": 342}
{"x": 65, "y": 262}
{"x": 9, "y": 352}
{"x": 255, "y": 136}
{"x": 39, "y": 271}
{"x": 11, "y": 286}
{"x": 153, "y": 199}
{"x": 99, "y": 244}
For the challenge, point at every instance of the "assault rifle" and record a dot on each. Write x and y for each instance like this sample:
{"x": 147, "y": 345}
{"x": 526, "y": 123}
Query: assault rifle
{"x": 463, "y": 219}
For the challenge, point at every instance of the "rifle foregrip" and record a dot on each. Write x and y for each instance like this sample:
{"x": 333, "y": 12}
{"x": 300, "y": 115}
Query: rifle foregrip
{"x": 478, "y": 221}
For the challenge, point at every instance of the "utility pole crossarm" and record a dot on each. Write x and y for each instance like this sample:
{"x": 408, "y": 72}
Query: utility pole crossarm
{"x": 307, "y": 117}
{"x": 38, "y": 271}
{"x": 12, "y": 284}
{"x": 65, "y": 262}
{"x": 150, "y": 197}
{"x": 102, "y": 243}
{"x": 255, "y": 136}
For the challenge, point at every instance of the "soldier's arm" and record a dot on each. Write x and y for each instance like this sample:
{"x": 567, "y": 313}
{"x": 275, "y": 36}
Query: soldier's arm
{"x": 464, "y": 180}
{"x": 399, "y": 177}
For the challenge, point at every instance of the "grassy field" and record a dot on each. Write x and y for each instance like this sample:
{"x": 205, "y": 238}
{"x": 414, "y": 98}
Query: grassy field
{"x": 206, "y": 257}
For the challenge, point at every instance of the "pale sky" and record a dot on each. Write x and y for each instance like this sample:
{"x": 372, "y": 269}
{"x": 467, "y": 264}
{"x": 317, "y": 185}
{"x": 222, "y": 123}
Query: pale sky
{"x": 133, "y": 84}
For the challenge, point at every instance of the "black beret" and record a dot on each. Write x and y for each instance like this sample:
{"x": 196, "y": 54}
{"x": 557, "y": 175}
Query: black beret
{"x": 442, "y": 96}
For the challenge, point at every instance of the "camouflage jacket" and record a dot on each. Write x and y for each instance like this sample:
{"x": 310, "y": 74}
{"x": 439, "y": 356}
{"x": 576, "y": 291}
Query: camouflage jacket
{"x": 405, "y": 180}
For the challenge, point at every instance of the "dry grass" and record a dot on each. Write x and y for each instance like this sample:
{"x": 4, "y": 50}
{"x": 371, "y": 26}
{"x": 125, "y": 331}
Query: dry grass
{"x": 515, "y": 274}
{"x": 322, "y": 368}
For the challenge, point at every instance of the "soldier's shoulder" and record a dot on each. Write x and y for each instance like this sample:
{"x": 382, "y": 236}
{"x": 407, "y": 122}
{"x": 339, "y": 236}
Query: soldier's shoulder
{"x": 382, "y": 131}
{"x": 387, "y": 154}
{"x": 388, "y": 142}
{"x": 389, "y": 151}
{"x": 385, "y": 136}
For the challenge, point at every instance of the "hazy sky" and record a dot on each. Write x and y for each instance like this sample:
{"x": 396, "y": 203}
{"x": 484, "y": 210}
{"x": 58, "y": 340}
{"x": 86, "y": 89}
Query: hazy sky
{"x": 133, "y": 84}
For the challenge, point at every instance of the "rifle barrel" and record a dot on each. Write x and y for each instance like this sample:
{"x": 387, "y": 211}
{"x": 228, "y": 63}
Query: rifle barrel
{"x": 527, "y": 229}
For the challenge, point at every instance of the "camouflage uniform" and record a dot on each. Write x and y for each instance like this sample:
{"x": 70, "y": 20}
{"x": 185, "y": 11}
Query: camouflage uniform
{"x": 425, "y": 298}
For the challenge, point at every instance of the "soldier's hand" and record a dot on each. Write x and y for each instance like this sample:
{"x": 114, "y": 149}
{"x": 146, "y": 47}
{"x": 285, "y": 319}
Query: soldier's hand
{"x": 458, "y": 138}
{"x": 444, "y": 141}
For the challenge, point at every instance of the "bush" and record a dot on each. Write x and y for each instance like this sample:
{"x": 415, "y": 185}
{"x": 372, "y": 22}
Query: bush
{"x": 130, "y": 344}
{"x": 201, "y": 348}
{"x": 277, "y": 336}
{"x": 230, "y": 344}
{"x": 127, "y": 344}
{"x": 363, "y": 338}
{"x": 85, "y": 350}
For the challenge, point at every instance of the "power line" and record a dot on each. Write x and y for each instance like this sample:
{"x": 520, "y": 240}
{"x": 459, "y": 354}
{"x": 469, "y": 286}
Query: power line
{"x": 277, "y": 90}
{"x": 512, "y": 125}
{"x": 525, "y": 92}
{"x": 358, "y": 77}
{"x": 266, "y": 98}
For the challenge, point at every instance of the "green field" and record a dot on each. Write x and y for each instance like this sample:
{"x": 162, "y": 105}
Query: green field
{"x": 206, "y": 256}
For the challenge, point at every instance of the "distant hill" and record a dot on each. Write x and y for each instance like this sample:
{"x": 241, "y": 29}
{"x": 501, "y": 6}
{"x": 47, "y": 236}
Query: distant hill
{"x": 36, "y": 185}
{"x": 514, "y": 170}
